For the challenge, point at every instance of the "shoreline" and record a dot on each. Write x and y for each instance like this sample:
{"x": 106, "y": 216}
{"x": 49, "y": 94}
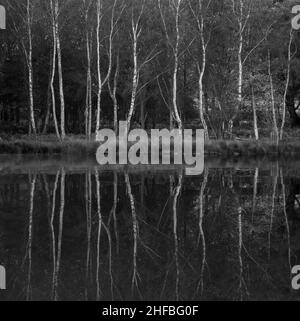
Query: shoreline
{"x": 82, "y": 147}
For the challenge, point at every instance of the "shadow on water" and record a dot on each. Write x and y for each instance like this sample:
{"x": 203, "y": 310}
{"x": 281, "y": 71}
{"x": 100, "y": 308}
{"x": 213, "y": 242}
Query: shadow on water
{"x": 76, "y": 231}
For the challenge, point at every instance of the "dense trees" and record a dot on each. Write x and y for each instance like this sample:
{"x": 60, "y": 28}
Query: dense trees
{"x": 74, "y": 66}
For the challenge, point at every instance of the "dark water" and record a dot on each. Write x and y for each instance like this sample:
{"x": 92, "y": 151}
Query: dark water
{"x": 72, "y": 231}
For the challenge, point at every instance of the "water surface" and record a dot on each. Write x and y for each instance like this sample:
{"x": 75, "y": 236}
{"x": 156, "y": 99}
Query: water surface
{"x": 70, "y": 230}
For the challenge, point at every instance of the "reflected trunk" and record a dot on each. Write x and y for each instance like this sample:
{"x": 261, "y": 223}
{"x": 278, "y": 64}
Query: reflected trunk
{"x": 200, "y": 285}
{"x": 30, "y": 231}
{"x": 176, "y": 194}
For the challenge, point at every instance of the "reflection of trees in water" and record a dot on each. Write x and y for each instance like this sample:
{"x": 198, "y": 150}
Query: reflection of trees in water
{"x": 155, "y": 236}
{"x": 114, "y": 210}
{"x": 88, "y": 211}
{"x": 239, "y": 211}
{"x": 135, "y": 230}
{"x": 30, "y": 228}
{"x": 60, "y": 233}
{"x": 286, "y": 220}
{"x": 53, "y": 233}
{"x": 176, "y": 194}
{"x": 100, "y": 224}
{"x": 274, "y": 189}
{"x": 200, "y": 285}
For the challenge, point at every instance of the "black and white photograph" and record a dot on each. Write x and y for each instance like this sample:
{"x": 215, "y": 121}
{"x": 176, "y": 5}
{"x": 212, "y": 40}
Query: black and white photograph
{"x": 149, "y": 152}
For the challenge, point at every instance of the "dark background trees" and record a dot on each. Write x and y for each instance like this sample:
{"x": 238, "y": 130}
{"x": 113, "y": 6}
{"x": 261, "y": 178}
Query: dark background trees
{"x": 266, "y": 28}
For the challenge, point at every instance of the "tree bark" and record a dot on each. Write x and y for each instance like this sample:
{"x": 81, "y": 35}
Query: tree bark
{"x": 275, "y": 127}
{"x": 88, "y": 107}
{"x": 30, "y": 68}
{"x": 113, "y": 94}
{"x": 176, "y": 63}
{"x": 286, "y": 85}
{"x": 106, "y": 78}
{"x": 241, "y": 27}
{"x": 254, "y": 115}
{"x": 60, "y": 74}
{"x": 53, "y": 19}
{"x": 135, "y": 34}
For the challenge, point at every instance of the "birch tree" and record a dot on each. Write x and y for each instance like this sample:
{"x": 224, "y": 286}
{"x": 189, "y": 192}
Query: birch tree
{"x": 200, "y": 21}
{"x": 136, "y": 33}
{"x": 286, "y": 84}
{"x": 102, "y": 81}
{"x": 113, "y": 93}
{"x": 29, "y": 16}
{"x": 138, "y": 62}
{"x": 238, "y": 8}
{"x": 53, "y": 65}
{"x": 274, "y": 117}
{"x": 60, "y": 73}
{"x": 176, "y": 8}
{"x": 255, "y": 126}
{"x": 88, "y": 107}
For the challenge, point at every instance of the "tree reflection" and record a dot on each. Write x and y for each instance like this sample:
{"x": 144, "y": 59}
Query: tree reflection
{"x": 30, "y": 231}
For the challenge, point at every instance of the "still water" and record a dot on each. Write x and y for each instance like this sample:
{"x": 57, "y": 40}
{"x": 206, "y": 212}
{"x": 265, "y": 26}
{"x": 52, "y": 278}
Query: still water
{"x": 74, "y": 231}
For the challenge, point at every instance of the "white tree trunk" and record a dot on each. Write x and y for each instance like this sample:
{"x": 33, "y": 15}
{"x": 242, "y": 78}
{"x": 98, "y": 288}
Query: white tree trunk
{"x": 241, "y": 27}
{"x": 286, "y": 85}
{"x": 99, "y": 8}
{"x": 88, "y": 107}
{"x": 200, "y": 22}
{"x": 254, "y": 116}
{"x": 30, "y": 68}
{"x": 275, "y": 127}
{"x": 53, "y": 19}
{"x": 176, "y": 63}
{"x": 60, "y": 74}
{"x": 106, "y": 78}
{"x": 135, "y": 77}
{"x": 113, "y": 94}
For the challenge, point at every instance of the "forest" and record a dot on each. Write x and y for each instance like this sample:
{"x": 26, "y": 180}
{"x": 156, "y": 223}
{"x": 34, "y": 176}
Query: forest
{"x": 72, "y": 67}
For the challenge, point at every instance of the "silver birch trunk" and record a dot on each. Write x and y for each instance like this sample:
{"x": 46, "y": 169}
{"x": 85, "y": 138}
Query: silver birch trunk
{"x": 286, "y": 85}
{"x": 275, "y": 127}
{"x": 113, "y": 94}
{"x": 254, "y": 115}
{"x": 176, "y": 63}
{"x": 60, "y": 74}
{"x": 30, "y": 68}
{"x": 135, "y": 34}
{"x": 53, "y": 19}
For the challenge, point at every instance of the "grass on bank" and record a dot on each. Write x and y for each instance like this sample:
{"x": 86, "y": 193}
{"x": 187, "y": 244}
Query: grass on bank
{"x": 78, "y": 145}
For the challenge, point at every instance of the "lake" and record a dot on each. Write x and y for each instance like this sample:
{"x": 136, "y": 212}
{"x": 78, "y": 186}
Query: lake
{"x": 71, "y": 230}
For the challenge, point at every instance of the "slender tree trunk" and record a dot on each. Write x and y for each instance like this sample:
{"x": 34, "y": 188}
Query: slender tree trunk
{"x": 30, "y": 68}
{"x": 99, "y": 8}
{"x": 241, "y": 27}
{"x": 275, "y": 127}
{"x": 53, "y": 19}
{"x": 176, "y": 63}
{"x": 60, "y": 74}
{"x": 47, "y": 117}
{"x": 135, "y": 77}
{"x": 101, "y": 82}
{"x": 143, "y": 110}
{"x": 254, "y": 115}
{"x": 202, "y": 68}
{"x": 113, "y": 94}
{"x": 88, "y": 107}
{"x": 286, "y": 85}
